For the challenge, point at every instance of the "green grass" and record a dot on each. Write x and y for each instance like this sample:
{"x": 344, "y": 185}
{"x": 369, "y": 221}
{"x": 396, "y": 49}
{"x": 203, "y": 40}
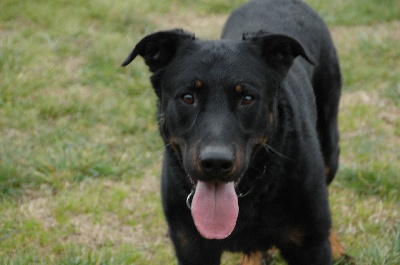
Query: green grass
{"x": 80, "y": 150}
{"x": 361, "y": 12}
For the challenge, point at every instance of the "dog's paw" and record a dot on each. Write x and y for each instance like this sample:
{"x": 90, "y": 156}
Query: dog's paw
{"x": 338, "y": 251}
{"x": 259, "y": 257}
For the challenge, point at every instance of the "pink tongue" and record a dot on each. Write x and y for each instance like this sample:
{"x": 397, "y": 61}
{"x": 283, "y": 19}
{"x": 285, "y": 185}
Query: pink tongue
{"x": 215, "y": 209}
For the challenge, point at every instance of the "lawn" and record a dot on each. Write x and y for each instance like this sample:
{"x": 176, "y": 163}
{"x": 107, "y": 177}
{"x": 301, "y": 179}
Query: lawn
{"x": 80, "y": 151}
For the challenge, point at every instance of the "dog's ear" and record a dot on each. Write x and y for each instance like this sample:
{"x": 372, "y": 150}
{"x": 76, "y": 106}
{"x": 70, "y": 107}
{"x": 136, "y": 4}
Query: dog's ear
{"x": 158, "y": 49}
{"x": 278, "y": 50}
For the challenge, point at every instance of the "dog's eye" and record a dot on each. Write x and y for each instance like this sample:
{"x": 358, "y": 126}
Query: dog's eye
{"x": 247, "y": 100}
{"x": 188, "y": 98}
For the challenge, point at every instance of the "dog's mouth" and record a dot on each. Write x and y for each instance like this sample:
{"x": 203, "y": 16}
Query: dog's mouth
{"x": 214, "y": 204}
{"x": 214, "y": 176}
{"x": 214, "y": 208}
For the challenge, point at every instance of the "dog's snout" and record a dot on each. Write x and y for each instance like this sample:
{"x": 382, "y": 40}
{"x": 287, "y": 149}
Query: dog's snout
{"x": 216, "y": 161}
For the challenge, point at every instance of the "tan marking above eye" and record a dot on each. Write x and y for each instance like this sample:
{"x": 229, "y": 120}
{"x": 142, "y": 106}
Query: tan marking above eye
{"x": 239, "y": 88}
{"x": 198, "y": 84}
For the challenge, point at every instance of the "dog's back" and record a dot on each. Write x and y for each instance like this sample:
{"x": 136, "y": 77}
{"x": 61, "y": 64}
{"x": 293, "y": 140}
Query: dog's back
{"x": 289, "y": 17}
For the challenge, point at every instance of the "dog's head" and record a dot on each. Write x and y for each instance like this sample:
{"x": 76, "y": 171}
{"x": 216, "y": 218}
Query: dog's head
{"x": 217, "y": 102}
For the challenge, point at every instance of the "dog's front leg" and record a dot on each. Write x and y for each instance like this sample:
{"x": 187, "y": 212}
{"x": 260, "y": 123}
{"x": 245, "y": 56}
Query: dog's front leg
{"x": 317, "y": 254}
{"x": 192, "y": 249}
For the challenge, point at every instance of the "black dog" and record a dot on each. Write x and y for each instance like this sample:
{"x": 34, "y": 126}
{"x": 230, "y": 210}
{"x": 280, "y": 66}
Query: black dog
{"x": 250, "y": 129}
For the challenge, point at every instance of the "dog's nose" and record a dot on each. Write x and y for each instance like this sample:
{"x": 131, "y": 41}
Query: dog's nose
{"x": 216, "y": 161}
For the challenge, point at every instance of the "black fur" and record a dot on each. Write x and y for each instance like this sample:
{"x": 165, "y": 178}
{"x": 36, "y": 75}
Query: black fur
{"x": 258, "y": 107}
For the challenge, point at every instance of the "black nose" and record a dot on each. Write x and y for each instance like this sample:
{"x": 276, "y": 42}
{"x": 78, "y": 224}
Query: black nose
{"x": 216, "y": 161}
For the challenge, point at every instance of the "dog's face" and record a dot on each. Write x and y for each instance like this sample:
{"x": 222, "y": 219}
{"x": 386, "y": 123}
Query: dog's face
{"x": 217, "y": 104}
{"x": 214, "y": 109}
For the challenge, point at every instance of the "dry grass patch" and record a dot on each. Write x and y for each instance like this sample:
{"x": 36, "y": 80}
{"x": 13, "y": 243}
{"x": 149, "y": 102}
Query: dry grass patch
{"x": 205, "y": 27}
{"x": 347, "y": 37}
{"x": 40, "y": 210}
{"x": 109, "y": 231}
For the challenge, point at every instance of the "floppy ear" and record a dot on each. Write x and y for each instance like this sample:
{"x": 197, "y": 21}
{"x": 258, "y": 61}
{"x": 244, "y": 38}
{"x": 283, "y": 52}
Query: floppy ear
{"x": 278, "y": 50}
{"x": 158, "y": 49}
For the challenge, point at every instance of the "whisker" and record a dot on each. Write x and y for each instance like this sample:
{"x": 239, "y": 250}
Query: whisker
{"x": 272, "y": 150}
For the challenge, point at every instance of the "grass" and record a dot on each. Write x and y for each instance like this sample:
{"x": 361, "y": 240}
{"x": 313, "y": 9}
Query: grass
{"x": 80, "y": 151}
